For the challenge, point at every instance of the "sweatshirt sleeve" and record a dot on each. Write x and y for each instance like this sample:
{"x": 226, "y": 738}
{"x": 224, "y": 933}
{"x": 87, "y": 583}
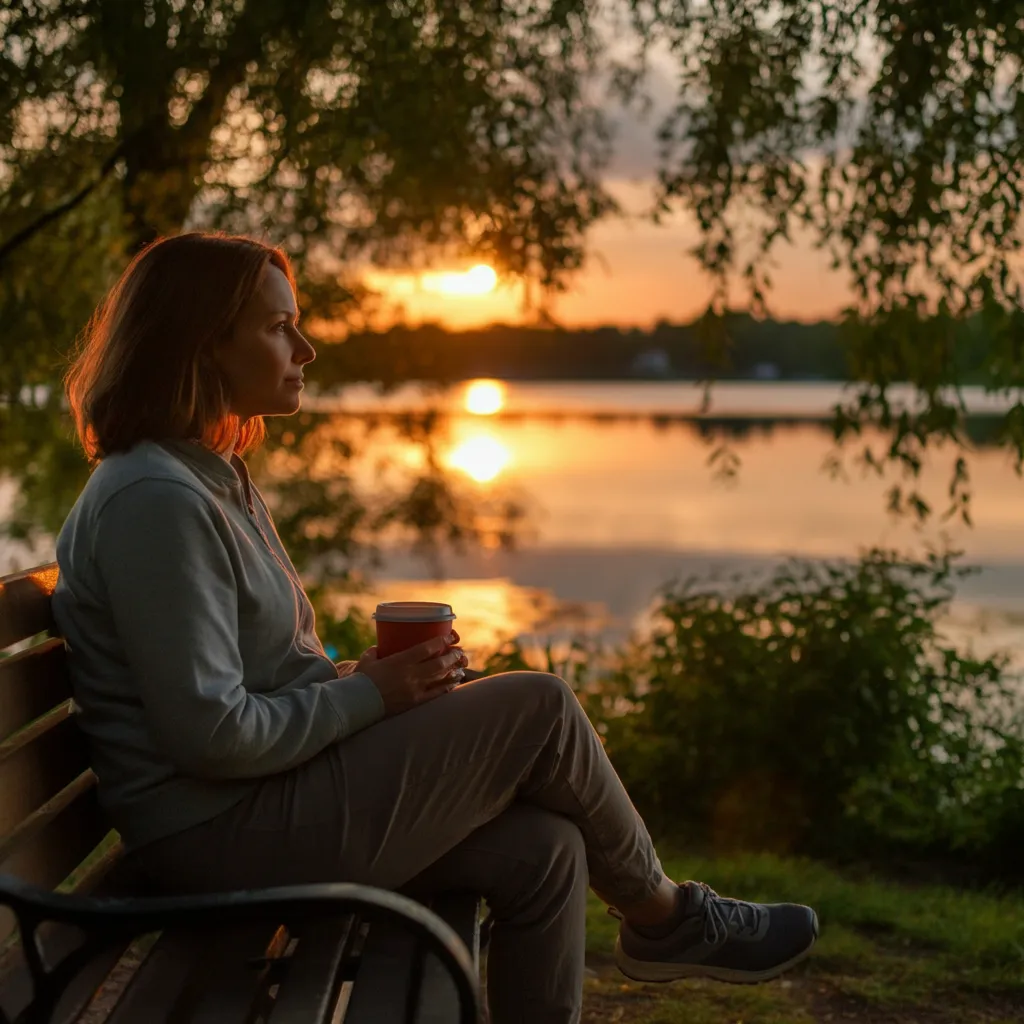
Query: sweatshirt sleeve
{"x": 171, "y": 588}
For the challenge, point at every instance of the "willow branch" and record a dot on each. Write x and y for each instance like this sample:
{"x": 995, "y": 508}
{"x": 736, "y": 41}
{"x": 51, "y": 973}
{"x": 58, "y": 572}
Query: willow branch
{"x": 19, "y": 238}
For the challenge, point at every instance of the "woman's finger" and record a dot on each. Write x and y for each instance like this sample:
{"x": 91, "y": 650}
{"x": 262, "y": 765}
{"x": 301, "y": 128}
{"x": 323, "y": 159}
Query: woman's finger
{"x": 435, "y": 687}
{"x": 425, "y": 652}
{"x": 438, "y": 668}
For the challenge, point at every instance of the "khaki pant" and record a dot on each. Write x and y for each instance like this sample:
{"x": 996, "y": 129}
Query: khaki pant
{"x": 501, "y": 786}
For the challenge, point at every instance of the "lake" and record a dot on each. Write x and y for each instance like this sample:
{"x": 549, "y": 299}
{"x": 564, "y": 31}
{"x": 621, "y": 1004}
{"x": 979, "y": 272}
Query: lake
{"x": 621, "y": 499}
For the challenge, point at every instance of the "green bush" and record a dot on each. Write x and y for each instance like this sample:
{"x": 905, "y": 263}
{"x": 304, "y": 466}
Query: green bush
{"x": 820, "y": 711}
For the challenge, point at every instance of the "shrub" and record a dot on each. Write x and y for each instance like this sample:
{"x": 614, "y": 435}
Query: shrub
{"x": 820, "y": 711}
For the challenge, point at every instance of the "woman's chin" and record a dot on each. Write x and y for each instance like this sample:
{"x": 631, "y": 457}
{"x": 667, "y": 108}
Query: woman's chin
{"x": 287, "y": 405}
{"x": 292, "y": 399}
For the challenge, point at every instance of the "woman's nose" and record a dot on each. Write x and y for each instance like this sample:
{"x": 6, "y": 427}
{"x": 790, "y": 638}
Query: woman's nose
{"x": 304, "y": 351}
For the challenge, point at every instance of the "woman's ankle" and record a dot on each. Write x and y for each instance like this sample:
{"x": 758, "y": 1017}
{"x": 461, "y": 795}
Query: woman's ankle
{"x": 657, "y": 910}
{"x": 669, "y": 924}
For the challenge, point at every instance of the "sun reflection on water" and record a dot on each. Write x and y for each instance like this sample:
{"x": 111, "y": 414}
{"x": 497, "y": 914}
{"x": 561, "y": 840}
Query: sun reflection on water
{"x": 481, "y": 457}
{"x": 489, "y": 611}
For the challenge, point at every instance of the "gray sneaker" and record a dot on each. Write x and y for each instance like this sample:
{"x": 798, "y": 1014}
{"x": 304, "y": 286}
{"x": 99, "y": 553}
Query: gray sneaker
{"x": 724, "y": 939}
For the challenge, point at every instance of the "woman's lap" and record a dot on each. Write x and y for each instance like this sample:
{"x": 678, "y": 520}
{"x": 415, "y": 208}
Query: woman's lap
{"x": 382, "y": 806}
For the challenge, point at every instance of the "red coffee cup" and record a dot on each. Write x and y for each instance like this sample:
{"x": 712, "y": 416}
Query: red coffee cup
{"x": 403, "y": 624}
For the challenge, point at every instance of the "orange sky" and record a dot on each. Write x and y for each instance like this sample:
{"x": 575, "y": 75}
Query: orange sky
{"x": 637, "y": 273}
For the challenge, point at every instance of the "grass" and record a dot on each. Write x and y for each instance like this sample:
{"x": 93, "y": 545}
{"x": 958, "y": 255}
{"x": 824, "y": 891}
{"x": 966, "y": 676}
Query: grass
{"x": 888, "y": 954}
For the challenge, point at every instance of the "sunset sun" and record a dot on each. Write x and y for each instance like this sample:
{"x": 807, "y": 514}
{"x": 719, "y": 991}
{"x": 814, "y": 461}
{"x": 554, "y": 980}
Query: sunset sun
{"x": 478, "y": 280}
{"x": 484, "y": 397}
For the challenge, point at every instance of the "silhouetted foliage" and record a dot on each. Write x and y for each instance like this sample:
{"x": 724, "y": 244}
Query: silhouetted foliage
{"x": 888, "y": 132}
{"x": 784, "y": 351}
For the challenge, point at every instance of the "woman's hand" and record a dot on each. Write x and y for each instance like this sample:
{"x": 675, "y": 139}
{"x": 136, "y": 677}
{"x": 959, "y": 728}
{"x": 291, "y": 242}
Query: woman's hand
{"x": 416, "y": 675}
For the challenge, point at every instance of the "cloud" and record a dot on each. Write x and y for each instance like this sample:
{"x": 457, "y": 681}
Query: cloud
{"x": 636, "y": 147}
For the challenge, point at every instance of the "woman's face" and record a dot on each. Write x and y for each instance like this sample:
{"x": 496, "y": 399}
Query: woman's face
{"x": 263, "y": 358}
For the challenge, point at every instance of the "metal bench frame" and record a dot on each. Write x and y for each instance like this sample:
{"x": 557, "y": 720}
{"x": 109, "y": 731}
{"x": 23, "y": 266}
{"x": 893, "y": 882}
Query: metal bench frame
{"x": 106, "y": 921}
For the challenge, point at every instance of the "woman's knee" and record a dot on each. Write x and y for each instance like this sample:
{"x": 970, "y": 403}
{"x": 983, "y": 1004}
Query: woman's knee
{"x": 526, "y": 709}
{"x": 535, "y": 689}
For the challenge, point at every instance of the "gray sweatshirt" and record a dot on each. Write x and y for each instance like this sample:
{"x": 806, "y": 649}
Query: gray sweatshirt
{"x": 191, "y": 643}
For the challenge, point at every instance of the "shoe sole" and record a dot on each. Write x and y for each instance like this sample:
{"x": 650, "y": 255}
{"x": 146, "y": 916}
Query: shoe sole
{"x": 648, "y": 970}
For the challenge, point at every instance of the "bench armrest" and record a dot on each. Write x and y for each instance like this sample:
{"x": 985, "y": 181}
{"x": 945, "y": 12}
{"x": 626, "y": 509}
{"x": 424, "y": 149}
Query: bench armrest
{"x": 105, "y": 920}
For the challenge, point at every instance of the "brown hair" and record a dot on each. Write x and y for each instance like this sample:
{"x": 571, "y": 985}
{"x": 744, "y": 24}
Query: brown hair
{"x": 145, "y": 366}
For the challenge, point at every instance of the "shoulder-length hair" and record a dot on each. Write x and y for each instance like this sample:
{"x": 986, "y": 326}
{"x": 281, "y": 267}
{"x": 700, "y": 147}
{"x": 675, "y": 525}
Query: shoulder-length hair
{"x": 145, "y": 368}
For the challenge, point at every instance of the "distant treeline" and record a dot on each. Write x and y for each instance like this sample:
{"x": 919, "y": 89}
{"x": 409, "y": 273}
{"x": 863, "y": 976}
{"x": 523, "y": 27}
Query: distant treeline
{"x": 755, "y": 349}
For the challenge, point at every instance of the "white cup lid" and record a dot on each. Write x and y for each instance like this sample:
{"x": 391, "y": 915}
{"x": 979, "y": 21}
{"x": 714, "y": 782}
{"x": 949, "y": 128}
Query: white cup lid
{"x": 413, "y": 611}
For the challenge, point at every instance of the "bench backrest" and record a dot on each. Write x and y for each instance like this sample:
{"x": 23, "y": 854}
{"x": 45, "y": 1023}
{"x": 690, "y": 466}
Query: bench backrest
{"x": 52, "y": 832}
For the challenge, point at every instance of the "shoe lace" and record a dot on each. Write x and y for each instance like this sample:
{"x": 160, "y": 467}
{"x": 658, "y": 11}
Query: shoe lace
{"x": 724, "y": 917}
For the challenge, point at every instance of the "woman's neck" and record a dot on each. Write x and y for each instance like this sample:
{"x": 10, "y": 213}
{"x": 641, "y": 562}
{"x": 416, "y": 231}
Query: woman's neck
{"x": 225, "y": 451}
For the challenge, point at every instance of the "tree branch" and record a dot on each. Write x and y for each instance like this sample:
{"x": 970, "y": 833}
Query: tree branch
{"x": 20, "y": 237}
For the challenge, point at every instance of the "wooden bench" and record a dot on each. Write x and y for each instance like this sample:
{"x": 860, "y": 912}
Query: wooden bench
{"x": 101, "y": 949}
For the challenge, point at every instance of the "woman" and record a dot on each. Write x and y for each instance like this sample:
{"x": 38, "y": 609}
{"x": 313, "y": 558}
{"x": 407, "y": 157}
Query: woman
{"x": 231, "y": 752}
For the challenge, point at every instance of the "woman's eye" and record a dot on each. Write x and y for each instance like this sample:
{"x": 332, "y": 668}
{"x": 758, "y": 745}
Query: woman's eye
{"x": 281, "y": 326}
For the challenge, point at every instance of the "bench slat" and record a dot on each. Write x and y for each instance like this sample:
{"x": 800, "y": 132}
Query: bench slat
{"x": 80, "y": 789}
{"x": 44, "y": 844}
{"x": 37, "y": 764}
{"x": 201, "y": 977}
{"x": 106, "y": 873}
{"x": 32, "y": 682}
{"x": 95, "y": 988}
{"x": 25, "y": 603}
{"x": 310, "y": 989}
{"x": 231, "y": 982}
{"x": 52, "y": 853}
{"x": 16, "y": 988}
{"x": 155, "y": 987}
{"x": 48, "y": 857}
{"x": 386, "y": 973}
